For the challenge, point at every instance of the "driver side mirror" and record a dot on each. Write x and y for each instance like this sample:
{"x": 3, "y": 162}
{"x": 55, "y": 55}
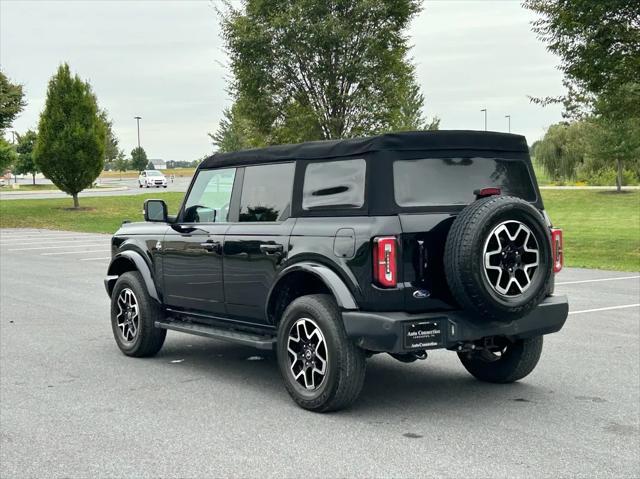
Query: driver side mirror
{"x": 155, "y": 211}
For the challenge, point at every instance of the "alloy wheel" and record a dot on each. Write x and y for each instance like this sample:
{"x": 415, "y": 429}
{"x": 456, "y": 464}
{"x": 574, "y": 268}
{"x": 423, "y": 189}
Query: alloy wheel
{"x": 128, "y": 317}
{"x": 511, "y": 258}
{"x": 308, "y": 355}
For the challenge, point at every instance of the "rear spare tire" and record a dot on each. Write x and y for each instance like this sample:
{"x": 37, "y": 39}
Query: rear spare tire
{"x": 498, "y": 258}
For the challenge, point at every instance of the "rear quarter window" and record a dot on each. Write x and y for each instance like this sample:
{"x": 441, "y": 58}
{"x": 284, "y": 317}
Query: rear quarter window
{"x": 334, "y": 184}
{"x": 452, "y": 181}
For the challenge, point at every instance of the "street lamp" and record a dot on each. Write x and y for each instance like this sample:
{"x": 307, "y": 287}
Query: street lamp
{"x": 508, "y": 117}
{"x": 138, "y": 118}
{"x": 485, "y": 118}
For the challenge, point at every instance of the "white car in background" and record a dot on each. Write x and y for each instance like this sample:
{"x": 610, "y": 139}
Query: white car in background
{"x": 151, "y": 178}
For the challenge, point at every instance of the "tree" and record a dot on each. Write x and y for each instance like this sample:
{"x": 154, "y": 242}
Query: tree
{"x": 121, "y": 163}
{"x": 139, "y": 159}
{"x": 308, "y": 70}
{"x": 617, "y": 141}
{"x": 599, "y": 48}
{"x": 25, "y": 163}
{"x": 8, "y": 155}
{"x": 111, "y": 149}
{"x": 11, "y": 101}
{"x": 563, "y": 149}
{"x": 71, "y": 134}
{"x": 151, "y": 166}
{"x": 598, "y": 44}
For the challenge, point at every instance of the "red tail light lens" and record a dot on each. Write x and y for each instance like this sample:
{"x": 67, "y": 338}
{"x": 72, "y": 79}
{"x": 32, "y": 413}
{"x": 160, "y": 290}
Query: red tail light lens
{"x": 385, "y": 252}
{"x": 556, "y": 247}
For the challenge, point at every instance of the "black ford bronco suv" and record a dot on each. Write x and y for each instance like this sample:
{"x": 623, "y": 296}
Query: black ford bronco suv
{"x": 331, "y": 251}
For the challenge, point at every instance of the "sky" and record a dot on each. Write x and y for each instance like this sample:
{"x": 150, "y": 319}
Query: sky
{"x": 164, "y": 61}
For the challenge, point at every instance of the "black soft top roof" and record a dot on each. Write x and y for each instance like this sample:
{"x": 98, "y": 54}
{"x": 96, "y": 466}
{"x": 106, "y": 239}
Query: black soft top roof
{"x": 404, "y": 141}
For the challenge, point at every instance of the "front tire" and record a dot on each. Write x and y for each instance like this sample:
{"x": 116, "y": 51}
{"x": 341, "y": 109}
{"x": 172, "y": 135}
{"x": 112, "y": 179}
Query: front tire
{"x": 323, "y": 370}
{"x": 133, "y": 317}
{"x": 507, "y": 363}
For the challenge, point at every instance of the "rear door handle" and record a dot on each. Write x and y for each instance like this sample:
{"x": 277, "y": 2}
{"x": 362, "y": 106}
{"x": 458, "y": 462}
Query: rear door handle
{"x": 271, "y": 248}
{"x": 211, "y": 245}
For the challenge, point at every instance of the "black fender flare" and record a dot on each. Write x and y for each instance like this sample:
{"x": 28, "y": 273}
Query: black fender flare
{"x": 140, "y": 265}
{"x": 330, "y": 278}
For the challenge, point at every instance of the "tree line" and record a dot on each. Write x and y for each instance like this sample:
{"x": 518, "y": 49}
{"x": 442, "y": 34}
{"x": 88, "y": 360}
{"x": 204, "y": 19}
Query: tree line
{"x": 74, "y": 140}
{"x": 598, "y": 44}
{"x": 308, "y": 70}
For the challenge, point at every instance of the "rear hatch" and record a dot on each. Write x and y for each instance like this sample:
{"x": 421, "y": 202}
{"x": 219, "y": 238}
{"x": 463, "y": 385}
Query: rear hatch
{"x": 430, "y": 192}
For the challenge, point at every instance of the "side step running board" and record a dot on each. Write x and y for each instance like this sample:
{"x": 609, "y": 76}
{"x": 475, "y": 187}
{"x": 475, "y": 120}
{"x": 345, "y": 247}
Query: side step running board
{"x": 247, "y": 339}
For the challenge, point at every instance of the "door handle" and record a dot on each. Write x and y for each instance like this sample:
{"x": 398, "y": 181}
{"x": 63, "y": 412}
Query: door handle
{"x": 211, "y": 245}
{"x": 271, "y": 248}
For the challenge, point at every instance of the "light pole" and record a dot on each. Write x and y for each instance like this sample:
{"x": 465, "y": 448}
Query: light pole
{"x": 485, "y": 118}
{"x": 508, "y": 117}
{"x": 138, "y": 118}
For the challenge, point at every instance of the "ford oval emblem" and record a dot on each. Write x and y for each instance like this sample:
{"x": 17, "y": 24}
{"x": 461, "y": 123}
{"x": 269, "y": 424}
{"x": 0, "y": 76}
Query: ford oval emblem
{"x": 421, "y": 294}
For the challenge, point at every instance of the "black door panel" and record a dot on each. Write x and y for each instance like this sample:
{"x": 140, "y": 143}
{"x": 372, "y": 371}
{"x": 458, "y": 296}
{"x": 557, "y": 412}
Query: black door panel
{"x": 192, "y": 266}
{"x": 253, "y": 253}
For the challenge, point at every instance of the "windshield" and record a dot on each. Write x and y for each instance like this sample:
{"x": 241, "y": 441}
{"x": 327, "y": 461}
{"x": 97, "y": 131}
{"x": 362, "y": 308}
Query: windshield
{"x": 154, "y": 173}
{"x": 452, "y": 181}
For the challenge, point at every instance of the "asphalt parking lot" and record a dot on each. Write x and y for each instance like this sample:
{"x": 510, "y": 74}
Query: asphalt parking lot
{"x": 72, "y": 405}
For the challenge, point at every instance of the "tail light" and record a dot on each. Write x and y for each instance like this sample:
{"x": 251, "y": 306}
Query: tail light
{"x": 556, "y": 247}
{"x": 385, "y": 252}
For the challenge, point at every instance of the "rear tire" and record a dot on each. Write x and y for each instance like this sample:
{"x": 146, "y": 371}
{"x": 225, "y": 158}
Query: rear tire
{"x": 517, "y": 361}
{"x": 323, "y": 370}
{"x": 133, "y": 317}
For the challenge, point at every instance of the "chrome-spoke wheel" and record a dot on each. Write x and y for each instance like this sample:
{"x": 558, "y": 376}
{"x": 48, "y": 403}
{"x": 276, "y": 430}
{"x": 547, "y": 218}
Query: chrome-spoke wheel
{"x": 308, "y": 355}
{"x": 128, "y": 316}
{"x": 511, "y": 258}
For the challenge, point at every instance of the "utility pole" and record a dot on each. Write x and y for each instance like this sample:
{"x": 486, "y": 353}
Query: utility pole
{"x": 138, "y": 118}
{"x": 485, "y": 118}
{"x": 13, "y": 137}
{"x": 508, "y": 117}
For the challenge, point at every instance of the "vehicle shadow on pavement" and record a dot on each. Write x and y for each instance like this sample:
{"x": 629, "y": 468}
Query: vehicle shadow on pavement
{"x": 423, "y": 385}
{"x": 389, "y": 385}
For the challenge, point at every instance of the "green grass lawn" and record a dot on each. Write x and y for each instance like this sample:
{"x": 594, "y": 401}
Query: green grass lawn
{"x": 601, "y": 228}
{"x": 105, "y": 215}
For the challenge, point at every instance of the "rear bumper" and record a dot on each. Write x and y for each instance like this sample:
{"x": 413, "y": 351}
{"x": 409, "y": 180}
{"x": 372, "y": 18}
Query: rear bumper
{"x": 386, "y": 331}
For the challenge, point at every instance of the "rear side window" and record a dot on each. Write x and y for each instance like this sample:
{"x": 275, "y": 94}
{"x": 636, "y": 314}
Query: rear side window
{"x": 334, "y": 184}
{"x": 452, "y": 181}
{"x": 266, "y": 192}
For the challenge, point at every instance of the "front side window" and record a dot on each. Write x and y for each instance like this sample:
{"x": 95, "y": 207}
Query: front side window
{"x": 334, "y": 184}
{"x": 266, "y": 192}
{"x": 209, "y": 198}
{"x": 452, "y": 181}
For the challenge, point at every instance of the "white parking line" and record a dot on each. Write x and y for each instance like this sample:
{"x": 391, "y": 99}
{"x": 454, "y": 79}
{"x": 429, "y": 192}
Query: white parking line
{"x": 598, "y": 280}
{"x": 95, "y": 259}
{"x": 626, "y": 306}
{"x": 57, "y": 240}
{"x": 41, "y": 235}
{"x": 94, "y": 243}
{"x": 74, "y": 252}
{"x": 51, "y": 238}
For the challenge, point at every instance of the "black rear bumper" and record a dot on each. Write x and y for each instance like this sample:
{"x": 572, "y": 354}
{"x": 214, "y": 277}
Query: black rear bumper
{"x": 387, "y": 331}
